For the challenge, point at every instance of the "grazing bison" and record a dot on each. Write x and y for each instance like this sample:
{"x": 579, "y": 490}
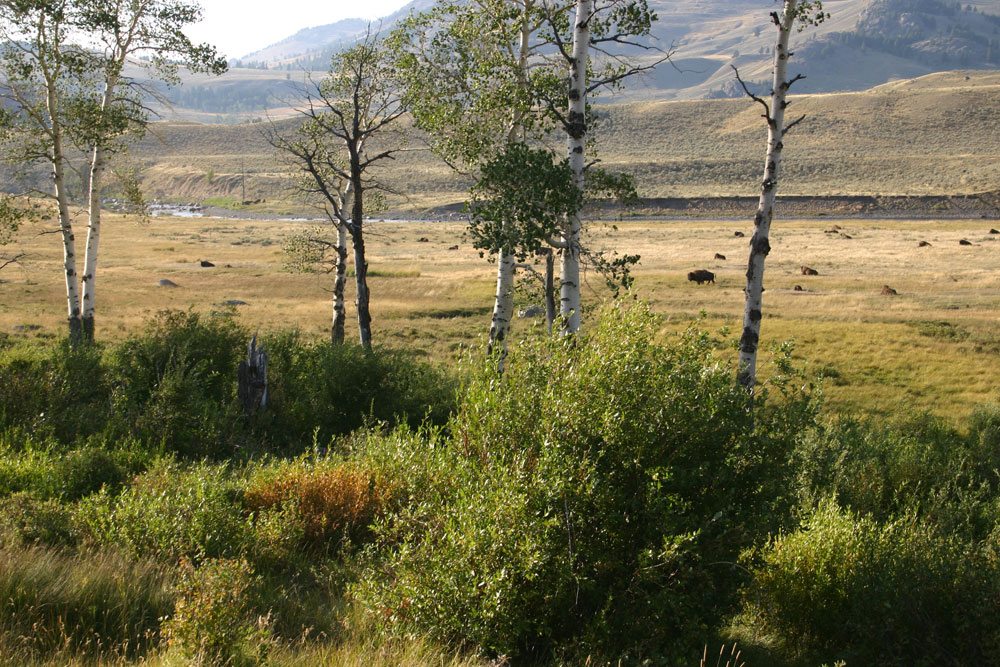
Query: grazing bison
{"x": 799, "y": 288}
{"x": 888, "y": 291}
{"x": 701, "y": 276}
{"x": 739, "y": 235}
{"x": 806, "y": 271}
{"x": 206, "y": 264}
{"x": 454, "y": 247}
{"x": 923, "y": 244}
{"x": 720, "y": 256}
{"x": 964, "y": 242}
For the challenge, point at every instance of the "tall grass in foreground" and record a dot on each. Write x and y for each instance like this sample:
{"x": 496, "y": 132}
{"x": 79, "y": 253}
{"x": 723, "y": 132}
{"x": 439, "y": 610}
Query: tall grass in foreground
{"x": 82, "y": 603}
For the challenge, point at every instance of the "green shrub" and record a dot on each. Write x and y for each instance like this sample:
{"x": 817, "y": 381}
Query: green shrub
{"x": 318, "y": 391}
{"x": 84, "y": 471}
{"x": 917, "y": 466}
{"x": 26, "y": 520}
{"x": 214, "y": 621}
{"x": 598, "y": 489}
{"x": 176, "y": 383}
{"x": 60, "y": 391}
{"x": 169, "y": 512}
{"x": 90, "y": 602}
{"x": 47, "y": 469}
{"x": 898, "y": 593}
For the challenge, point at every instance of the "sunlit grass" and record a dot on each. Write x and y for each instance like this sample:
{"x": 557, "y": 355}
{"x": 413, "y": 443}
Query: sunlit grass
{"x": 933, "y": 346}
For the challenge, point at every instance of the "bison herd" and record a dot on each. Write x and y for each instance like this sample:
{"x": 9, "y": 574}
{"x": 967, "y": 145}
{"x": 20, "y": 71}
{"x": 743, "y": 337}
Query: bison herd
{"x": 703, "y": 276}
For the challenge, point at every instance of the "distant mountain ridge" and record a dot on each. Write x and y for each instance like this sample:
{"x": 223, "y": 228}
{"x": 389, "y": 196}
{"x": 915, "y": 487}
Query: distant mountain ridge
{"x": 865, "y": 43}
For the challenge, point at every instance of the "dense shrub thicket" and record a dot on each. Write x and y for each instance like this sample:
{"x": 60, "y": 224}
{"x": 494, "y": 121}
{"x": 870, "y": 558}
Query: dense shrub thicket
{"x": 610, "y": 498}
{"x": 173, "y": 388}
{"x": 592, "y": 501}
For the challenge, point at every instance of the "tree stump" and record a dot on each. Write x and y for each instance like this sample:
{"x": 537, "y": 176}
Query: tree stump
{"x": 252, "y": 376}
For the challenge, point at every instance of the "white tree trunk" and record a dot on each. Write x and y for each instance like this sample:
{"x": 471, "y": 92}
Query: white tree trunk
{"x": 503, "y": 304}
{"x": 503, "y": 308}
{"x": 58, "y": 160}
{"x": 98, "y": 162}
{"x": 759, "y": 243}
{"x": 569, "y": 283}
{"x": 97, "y": 165}
{"x": 339, "y": 282}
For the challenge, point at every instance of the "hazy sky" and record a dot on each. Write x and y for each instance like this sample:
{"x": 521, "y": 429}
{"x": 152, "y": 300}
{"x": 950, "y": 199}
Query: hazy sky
{"x": 237, "y": 27}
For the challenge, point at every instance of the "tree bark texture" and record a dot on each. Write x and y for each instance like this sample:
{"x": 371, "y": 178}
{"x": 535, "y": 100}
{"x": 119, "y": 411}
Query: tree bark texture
{"x": 98, "y": 163}
{"x": 360, "y": 262}
{"x": 93, "y": 242}
{"x": 760, "y": 241}
{"x": 569, "y": 283}
{"x": 503, "y": 308}
{"x": 339, "y": 282}
{"x": 58, "y": 161}
{"x": 550, "y": 289}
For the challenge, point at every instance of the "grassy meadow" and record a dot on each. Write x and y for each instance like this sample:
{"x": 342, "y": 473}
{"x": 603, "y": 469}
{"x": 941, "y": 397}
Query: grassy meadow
{"x": 933, "y": 346}
{"x": 612, "y": 499}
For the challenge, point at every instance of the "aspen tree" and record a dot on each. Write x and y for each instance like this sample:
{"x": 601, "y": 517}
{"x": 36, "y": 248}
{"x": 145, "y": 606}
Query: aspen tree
{"x": 793, "y": 13}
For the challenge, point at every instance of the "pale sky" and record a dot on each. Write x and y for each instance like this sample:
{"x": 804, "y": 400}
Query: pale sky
{"x": 238, "y": 27}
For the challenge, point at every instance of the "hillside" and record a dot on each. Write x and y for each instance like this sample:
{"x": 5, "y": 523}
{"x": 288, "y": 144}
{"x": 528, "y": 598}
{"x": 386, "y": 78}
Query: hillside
{"x": 938, "y": 134}
{"x": 864, "y": 43}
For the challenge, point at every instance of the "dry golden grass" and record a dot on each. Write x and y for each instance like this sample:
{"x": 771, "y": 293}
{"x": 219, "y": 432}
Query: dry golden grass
{"x": 935, "y": 345}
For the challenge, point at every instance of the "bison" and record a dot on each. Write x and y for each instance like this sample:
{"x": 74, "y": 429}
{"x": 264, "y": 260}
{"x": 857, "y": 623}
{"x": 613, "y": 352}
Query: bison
{"x": 806, "y": 271}
{"x": 995, "y": 231}
{"x": 453, "y": 247}
{"x": 964, "y": 242}
{"x": 205, "y": 264}
{"x": 719, "y": 255}
{"x": 798, "y": 288}
{"x": 888, "y": 291}
{"x": 924, "y": 244}
{"x": 739, "y": 235}
{"x": 423, "y": 239}
{"x": 701, "y": 276}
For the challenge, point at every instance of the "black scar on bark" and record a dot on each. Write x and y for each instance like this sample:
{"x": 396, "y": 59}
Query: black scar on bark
{"x": 761, "y": 245}
{"x": 574, "y": 94}
{"x": 755, "y": 315}
{"x": 749, "y": 340}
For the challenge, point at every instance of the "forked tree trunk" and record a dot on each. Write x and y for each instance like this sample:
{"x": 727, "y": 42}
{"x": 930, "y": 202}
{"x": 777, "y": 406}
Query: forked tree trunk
{"x": 759, "y": 243}
{"x": 339, "y": 282}
{"x": 569, "y": 282}
{"x": 503, "y": 307}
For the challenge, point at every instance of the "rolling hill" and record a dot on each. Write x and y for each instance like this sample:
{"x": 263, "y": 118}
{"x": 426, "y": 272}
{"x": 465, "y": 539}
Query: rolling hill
{"x": 935, "y": 135}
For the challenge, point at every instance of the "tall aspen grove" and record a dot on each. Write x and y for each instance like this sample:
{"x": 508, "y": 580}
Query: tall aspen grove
{"x": 486, "y": 75}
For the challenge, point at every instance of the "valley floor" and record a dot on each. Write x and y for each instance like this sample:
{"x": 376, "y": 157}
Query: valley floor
{"x": 933, "y": 345}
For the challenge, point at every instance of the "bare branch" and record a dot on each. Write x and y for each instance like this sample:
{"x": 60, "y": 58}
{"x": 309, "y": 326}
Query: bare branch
{"x": 751, "y": 95}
